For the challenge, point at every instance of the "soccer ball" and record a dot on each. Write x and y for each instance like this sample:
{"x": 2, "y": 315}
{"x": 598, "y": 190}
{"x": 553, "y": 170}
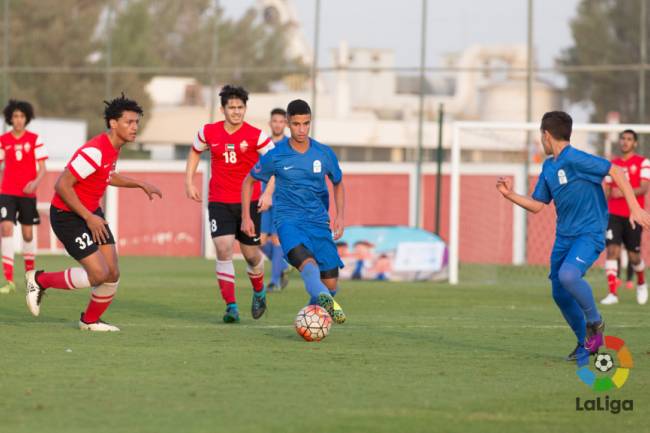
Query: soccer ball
{"x": 603, "y": 362}
{"x": 313, "y": 323}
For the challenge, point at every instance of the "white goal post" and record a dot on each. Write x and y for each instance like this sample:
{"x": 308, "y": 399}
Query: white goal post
{"x": 491, "y": 130}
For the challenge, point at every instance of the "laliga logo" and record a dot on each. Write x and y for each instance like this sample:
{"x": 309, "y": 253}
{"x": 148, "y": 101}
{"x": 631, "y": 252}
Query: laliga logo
{"x": 604, "y": 363}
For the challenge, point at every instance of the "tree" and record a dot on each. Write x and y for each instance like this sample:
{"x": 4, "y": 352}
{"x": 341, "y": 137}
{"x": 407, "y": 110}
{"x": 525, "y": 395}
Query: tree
{"x": 606, "y": 32}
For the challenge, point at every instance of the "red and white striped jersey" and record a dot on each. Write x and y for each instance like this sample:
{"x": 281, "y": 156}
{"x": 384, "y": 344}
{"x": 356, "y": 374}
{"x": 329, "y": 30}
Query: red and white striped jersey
{"x": 637, "y": 169}
{"x": 92, "y": 164}
{"x": 20, "y": 156}
{"x": 233, "y": 156}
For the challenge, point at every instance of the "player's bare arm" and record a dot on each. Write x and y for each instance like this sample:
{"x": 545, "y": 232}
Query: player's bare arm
{"x": 339, "y": 201}
{"x": 266, "y": 199}
{"x": 504, "y": 186}
{"x": 617, "y": 193}
{"x": 191, "y": 191}
{"x": 637, "y": 215}
{"x": 65, "y": 188}
{"x": 31, "y": 186}
{"x": 122, "y": 181}
{"x": 247, "y": 225}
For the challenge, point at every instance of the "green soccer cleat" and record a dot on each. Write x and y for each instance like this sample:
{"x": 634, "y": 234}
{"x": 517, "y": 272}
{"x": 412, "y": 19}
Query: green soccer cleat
{"x": 258, "y": 306}
{"x": 326, "y": 301}
{"x": 8, "y": 288}
{"x": 232, "y": 314}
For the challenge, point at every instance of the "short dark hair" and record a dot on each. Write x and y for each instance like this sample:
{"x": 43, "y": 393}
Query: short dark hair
{"x": 278, "y": 112}
{"x": 630, "y": 131}
{"x": 16, "y": 105}
{"x": 297, "y": 107}
{"x": 116, "y": 107}
{"x": 229, "y": 92}
{"x": 558, "y": 124}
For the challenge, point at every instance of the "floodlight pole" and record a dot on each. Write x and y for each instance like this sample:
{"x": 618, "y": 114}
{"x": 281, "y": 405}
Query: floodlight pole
{"x": 529, "y": 118}
{"x": 418, "y": 163}
{"x": 314, "y": 68}
{"x": 644, "y": 58}
{"x": 213, "y": 61}
{"x": 108, "y": 83}
{"x": 5, "y": 58}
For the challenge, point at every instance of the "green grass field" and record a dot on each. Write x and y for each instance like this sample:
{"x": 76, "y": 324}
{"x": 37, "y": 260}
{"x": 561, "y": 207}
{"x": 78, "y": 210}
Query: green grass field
{"x": 412, "y": 358}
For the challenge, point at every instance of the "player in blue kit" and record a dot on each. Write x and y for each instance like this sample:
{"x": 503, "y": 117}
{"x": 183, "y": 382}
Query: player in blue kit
{"x": 268, "y": 235}
{"x": 300, "y": 165}
{"x": 573, "y": 180}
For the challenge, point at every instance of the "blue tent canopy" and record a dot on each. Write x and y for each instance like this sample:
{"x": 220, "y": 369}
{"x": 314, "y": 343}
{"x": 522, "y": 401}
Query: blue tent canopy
{"x": 386, "y": 238}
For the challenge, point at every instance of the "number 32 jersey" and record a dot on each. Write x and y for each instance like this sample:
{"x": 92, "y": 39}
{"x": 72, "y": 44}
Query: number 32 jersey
{"x": 232, "y": 157}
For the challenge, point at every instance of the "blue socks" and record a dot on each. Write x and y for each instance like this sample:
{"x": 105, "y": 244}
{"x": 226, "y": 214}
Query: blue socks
{"x": 278, "y": 265}
{"x": 570, "y": 276}
{"x": 311, "y": 276}
{"x": 570, "y": 310}
{"x": 267, "y": 249}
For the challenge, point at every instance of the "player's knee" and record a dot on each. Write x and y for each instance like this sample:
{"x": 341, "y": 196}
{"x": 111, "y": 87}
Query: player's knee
{"x": 299, "y": 255}
{"x": 28, "y": 237}
{"x": 330, "y": 274}
{"x": 7, "y": 229}
{"x": 98, "y": 276}
{"x": 569, "y": 275}
{"x": 113, "y": 275}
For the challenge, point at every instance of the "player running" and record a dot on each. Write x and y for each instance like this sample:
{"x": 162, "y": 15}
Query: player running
{"x": 235, "y": 147}
{"x": 24, "y": 155}
{"x": 300, "y": 165}
{"x": 269, "y": 237}
{"x": 78, "y": 220}
{"x": 619, "y": 230}
{"x": 573, "y": 180}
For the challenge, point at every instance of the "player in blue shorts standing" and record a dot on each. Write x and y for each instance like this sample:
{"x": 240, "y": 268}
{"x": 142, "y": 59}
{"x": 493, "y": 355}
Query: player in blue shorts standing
{"x": 268, "y": 235}
{"x": 573, "y": 180}
{"x": 300, "y": 165}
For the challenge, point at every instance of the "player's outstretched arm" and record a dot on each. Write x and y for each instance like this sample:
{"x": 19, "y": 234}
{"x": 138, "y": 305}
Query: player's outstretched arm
{"x": 637, "y": 214}
{"x": 64, "y": 187}
{"x": 339, "y": 201}
{"x": 504, "y": 185}
{"x": 247, "y": 225}
{"x": 121, "y": 181}
{"x": 193, "y": 160}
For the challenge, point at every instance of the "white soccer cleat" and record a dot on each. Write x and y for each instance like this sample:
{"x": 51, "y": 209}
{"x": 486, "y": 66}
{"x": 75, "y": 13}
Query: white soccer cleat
{"x": 642, "y": 294}
{"x": 34, "y": 293}
{"x": 610, "y": 299}
{"x": 98, "y": 326}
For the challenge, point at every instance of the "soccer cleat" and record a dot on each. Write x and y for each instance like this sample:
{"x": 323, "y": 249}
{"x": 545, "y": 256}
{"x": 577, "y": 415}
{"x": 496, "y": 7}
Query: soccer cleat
{"x": 326, "y": 301}
{"x": 271, "y": 287}
{"x": 34, "y": 292}
{"x": 609, "y": 299}
{"x": 573, "y": 356}
{"x": 258, "y": 306}
{"x": 284, "y": 279}
{"x": 232, "y": 314}
{"x": 8, "y": 288}
{"x": 98, "y": 326}
{"x": 594, "y": 338}
{"x": 642, "y": 294}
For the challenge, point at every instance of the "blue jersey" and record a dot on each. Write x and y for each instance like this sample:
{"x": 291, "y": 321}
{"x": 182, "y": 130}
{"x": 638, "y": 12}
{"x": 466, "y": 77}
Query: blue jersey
{"x": 300, "y": 190}
{"x": 574, "y": 182}
{"x": 275, "y": 143}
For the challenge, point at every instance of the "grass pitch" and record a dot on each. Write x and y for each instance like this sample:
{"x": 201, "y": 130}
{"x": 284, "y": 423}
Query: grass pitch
{"x": 412, "y": 358}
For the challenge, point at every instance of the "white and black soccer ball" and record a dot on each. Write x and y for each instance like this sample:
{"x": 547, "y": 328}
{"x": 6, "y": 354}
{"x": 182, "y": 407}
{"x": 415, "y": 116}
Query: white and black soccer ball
{"x": 604, "y": 362}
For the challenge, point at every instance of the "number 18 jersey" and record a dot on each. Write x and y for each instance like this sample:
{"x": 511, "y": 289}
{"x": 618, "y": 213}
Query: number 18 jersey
{"x": 232, "y": 157}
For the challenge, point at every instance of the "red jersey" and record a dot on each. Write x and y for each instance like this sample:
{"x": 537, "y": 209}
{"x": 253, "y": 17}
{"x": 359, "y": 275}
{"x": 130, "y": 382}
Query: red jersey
{"x": 21, "y": 156}
{"x": 637, "y": 168}
{"x": 92, "y": 164}
{"x": 233, "y": 156}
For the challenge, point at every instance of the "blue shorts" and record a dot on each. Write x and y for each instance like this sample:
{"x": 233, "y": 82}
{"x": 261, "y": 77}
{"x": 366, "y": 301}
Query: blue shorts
{"x": 581, "y": 251}
{"x": 317, "y": 239}
{"x": 267, "y": 226}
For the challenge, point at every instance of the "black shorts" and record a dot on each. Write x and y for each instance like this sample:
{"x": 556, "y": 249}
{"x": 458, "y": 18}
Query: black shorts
{"x": 619, "y": 231}
{"x": 74, "y": 234}
{"x": 19, "y": 209}
{"x": 225, "y": 219}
